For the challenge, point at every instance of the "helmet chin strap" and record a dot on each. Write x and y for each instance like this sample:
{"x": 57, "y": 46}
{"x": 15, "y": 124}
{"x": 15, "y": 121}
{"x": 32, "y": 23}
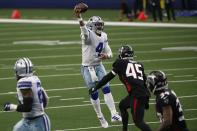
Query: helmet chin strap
{"x": 162, "y": 88}
{"x": 154, "y": 89}
{"x": 98, "y": 31}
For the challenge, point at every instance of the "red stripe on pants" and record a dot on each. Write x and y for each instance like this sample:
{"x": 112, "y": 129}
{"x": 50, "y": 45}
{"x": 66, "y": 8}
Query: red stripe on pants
{"x": 134, "y": 105}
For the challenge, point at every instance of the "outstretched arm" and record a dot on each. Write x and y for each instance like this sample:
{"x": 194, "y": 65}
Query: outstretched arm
{"x": 84, "y": 30}
{"x": 77, "y": 12}
{"x": 101, "y": 83}
{"x": 26, "y": 106}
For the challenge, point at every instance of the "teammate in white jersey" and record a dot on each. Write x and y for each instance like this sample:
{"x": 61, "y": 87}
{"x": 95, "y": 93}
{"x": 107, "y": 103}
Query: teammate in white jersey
{"x": 95, "y": 48}
{"x": 32, "y": 99}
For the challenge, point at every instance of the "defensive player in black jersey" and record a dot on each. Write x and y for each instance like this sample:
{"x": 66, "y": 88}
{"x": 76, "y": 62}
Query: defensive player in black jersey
{"x": 168, "y": 106}
{"x": 131, "y": 74}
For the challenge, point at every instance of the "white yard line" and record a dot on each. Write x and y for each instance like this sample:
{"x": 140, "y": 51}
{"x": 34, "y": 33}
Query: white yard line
{"x": 50, "y": 97}
{"x": 182, "y": 81}
{"x": 75, "y": 22}
{"x": 180, "y": 36}
{"x": 153, "y": 38}
{"x": 83, "y": 87}
{"x": 78, "y": 64}
{"x": 183, "y": 76}
{"x": 46, "y": 42}
{"x": 70, "y": 99}
{"x": 98, "y": 127}
{"x": 138, "y": 44}
{"x": 182, "y": 48}
{"x": 76, "y": 30}
{"x": 44, "y": 31}
{"x": 190, "y": 109}
{"x": 46, "y": 76}
{"x": 79, "y": 55}
{"x": 187, "y": 96}
{"x": 76, "y": 74}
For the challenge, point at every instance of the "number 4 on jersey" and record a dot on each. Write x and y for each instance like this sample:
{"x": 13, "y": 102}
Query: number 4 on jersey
{"x": 133, "y": 70}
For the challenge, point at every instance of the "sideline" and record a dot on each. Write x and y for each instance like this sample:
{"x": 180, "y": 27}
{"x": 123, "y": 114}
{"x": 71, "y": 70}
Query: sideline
{"x": 108, "y": 23}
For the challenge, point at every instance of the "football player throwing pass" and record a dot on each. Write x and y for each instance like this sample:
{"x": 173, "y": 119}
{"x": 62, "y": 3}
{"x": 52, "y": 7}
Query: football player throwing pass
{"x": 95, "y": 48}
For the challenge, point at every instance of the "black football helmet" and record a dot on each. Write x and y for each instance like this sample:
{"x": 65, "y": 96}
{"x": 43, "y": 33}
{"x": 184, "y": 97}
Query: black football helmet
{"x": 126, "y": 52}
{"x": 157, "y": 81}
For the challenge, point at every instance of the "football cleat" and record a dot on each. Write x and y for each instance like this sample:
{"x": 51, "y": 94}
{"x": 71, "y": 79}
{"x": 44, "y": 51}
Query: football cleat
{"x": 116, "y": 117}
{"x": 103, "y": 122}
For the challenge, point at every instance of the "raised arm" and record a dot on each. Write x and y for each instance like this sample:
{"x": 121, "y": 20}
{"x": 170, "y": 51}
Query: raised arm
{"x": 84, "y": 30}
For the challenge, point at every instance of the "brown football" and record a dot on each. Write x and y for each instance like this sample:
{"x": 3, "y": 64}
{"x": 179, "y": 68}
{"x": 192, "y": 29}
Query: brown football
{"x": 82, "y": 6}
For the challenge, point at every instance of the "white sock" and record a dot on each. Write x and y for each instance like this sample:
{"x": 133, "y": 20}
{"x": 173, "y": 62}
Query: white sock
{"x": 110, "y": 103}
{"x": 97, "y": 107}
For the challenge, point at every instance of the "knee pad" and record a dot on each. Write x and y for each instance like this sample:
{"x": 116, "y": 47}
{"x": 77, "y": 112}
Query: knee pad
{"x": 106, "y": 90}
{"x": 94, "y": 96}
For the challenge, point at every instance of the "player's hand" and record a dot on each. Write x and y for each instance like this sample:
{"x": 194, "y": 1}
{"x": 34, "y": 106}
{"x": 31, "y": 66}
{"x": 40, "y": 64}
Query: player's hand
{"x": 80, "y": 8}
{"x": 92, "y": 90}
{"x": 77, "y": 12}
{"x": 9, "y": 107}
{"x": 103, "y": 56}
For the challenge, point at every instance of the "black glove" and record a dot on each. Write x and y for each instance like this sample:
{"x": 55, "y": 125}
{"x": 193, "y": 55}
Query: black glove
{"x": 92, "y": 90}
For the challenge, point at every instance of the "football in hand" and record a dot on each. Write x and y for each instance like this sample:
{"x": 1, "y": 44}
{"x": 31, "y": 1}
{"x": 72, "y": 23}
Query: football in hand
{"x": 81, "y": 7}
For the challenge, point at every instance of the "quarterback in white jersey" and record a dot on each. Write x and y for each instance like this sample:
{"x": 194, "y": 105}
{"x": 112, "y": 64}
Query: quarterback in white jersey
{"x": 95, "y": 48}
{"x": 32, "y": 99}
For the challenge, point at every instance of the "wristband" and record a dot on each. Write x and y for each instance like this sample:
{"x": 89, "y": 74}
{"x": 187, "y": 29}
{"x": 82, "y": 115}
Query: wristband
{"x": 13, "y": 107}
{"x": 80, "y": 19}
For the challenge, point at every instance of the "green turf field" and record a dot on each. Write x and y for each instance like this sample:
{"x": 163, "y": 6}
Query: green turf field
{"x": 59, "y": 69}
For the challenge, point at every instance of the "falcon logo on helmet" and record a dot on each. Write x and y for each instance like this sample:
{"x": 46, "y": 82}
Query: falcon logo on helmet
{"x": 126, "y": 52}
{"x": 156, "y": 81}
{"x": 23, "y": 67}
{"x": 96, "y": 24}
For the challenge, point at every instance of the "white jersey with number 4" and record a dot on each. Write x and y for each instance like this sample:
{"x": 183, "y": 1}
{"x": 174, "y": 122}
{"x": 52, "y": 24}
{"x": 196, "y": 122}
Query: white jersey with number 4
{"x": 33, "y": 83}
{"x": 92, "y": 46}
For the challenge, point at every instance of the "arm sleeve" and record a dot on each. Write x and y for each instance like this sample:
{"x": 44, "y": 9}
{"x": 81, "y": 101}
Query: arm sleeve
{"x": 26, "y": 106}
{"x": 105, "y": 79}
{"x": 85, "y": 34}
{"x": 45, "y": 98}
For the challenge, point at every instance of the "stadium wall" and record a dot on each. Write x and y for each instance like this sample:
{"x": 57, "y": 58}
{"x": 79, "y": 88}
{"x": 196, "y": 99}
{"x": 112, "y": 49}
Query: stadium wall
{"x": 96, "y": 4}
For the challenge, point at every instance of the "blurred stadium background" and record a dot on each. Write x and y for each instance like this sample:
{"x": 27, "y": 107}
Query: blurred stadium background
{"x": 56, "y": 53}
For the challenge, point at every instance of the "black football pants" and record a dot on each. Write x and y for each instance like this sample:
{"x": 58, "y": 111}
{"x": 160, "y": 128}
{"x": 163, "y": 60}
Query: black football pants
{"x": 137, "y": 107}
{"x": 169, "y": 8}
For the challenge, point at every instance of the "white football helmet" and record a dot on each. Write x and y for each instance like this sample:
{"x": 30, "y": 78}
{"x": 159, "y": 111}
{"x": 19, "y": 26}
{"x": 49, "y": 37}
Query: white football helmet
{"x": 96, "y": 24}
{"x": 23, "y": 67}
